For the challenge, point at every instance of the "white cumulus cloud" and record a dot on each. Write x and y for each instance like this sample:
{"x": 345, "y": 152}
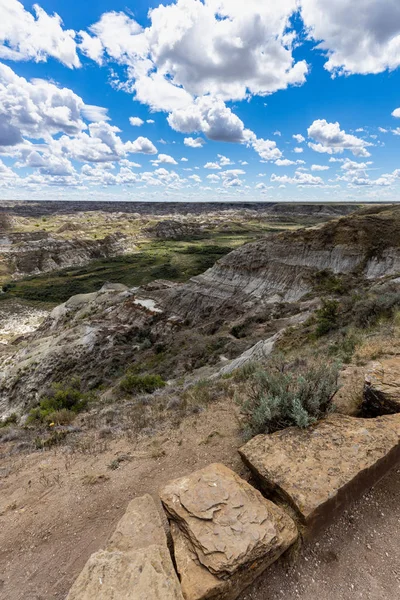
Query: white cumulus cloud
{"x": 358, "y": 36}
{"x": 332, "y": 140}
{"x": 136, "y": 121}
{"x": 24, "y": 36}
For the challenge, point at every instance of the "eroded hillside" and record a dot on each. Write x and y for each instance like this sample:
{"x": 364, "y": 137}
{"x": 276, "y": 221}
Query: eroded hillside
{"x": 172, "y": 329}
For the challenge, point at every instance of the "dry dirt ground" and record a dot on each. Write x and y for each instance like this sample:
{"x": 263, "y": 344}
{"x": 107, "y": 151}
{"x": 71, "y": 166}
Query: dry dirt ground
{"x": 59, "y": 506}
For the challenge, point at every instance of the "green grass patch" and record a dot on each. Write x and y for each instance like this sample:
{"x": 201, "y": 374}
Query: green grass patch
{"x": 172, "y": 260}
{"x": 141, "y": 384}
{"x": 61, "y": 404}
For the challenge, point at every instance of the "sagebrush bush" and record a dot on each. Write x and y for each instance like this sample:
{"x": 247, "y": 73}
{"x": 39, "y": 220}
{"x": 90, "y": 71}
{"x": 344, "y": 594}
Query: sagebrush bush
{"x": 60, "y": 400}
{"x": 283, "y": 394}
{"x": 369, "y": 310}
{"x": 141, "y": 384}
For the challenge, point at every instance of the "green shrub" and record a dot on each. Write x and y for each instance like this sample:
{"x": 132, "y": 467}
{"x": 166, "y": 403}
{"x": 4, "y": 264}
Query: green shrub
{"x": 327, "y": 317}
{"x": 328, "y": 282}
{"x": 284, "y": 394}
{"x": 141, "y": 384}
{"x": 60, "y": 401}
{"x": 369, "y": 310}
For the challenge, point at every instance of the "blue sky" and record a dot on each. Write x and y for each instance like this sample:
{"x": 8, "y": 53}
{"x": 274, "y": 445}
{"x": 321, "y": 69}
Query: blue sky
{"x": 200, "y": 100}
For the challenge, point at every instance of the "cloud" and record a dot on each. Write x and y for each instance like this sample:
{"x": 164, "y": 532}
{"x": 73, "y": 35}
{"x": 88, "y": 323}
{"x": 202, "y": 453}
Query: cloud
{"x": 194, "y": 143}
{"x": 224, "y": 161}
{"x": 102, "y": 144}
{"x": 358, "y": 36}
{"x": 351, "y": 165}
{"x": 24, "y": 36}
{"x": 319, "y": 168}
{"x": 150, "y": 121}
{"x": 267, "y": 149}
{"x": 37, "y": 109}
{"x": 116, "y": 35}
{"x": 299, "y": 138}
{"x": 136, "y": 121}
{"x": 332, "y": 140}
{"x": 95, "y": 113}
{"x": 141, "y": 145}
{"x": 164, "y": 159}
{"x": 210, "y": 116}
{"x": 217, "y": 47}
{"x": 396, "y": 113}
{"x": 213, "y": 178}
{"x": 195, "y": 178}
{"x": 285, "y": 162}
{"x": 300, "y": 178}
{"x": 298, "y": 150}
{"x": 212, "y": 165}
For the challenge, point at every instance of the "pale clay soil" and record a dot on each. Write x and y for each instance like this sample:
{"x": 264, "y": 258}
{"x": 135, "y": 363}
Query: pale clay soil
{"x": 52, "y": 516}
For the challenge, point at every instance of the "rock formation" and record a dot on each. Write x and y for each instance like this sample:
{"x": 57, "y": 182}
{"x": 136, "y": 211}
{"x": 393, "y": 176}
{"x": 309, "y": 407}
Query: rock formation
{"x": 39, "y": 252}
{"x": 225, "y": 533}
{"x": 320, "y": 469}
{"x": 136, "y": 564}
{"x": 280, "y": 268}
{"x": 382, "y": 387}
{"x": 174, "y": 230}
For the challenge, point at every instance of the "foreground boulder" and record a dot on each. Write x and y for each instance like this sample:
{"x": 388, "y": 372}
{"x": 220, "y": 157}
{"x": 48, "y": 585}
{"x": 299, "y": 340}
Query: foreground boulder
{"x": 225, "y": 532}
{"x": 136, "y": 564}
{"x": 382, "y": 387}
{"x": 321, "y": 469}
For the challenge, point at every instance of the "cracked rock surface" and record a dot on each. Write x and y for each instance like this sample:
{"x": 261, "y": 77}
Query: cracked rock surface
{"x": 225, "y": 532}
{"x": 320, "y": 469}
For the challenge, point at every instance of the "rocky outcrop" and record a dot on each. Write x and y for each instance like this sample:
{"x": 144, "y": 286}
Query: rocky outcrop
{"x": 382, "y": 387}
{"x": 174, "y": 230}
{"x": 90, "y": 337}
{"x": 39, "y": 252}
{"x": 319, "y": 470}
{"x": 136, "y": 564}
{"x": 225, "y": 533}
{"x": 283, "y": 267}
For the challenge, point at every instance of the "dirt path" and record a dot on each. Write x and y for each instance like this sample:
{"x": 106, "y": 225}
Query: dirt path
{"x": 58, "y": 507}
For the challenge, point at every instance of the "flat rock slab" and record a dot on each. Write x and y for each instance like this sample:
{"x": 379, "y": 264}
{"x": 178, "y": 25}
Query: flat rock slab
{"x": 325, "y": 467}
{"x": 136, "y": 565}
{"x": 147, "y": 574}
{"x": 225, "y": 532}
{"x": 382, "y": 387}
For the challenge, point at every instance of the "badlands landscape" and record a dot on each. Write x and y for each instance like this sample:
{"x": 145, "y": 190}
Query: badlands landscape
{"x": 145, "y": 351}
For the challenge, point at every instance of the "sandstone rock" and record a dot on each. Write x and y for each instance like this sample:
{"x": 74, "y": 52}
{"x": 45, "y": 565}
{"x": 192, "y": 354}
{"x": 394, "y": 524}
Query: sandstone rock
{"x": 225, "y": 532}
{"x": 136, "y": 564}
{"x": 349, "y": 397}
{"x": 144, "y": 575}
{"x": 382, "y": 387}
{"x": 321, "y": 469}
{"x": 140, "y": 527}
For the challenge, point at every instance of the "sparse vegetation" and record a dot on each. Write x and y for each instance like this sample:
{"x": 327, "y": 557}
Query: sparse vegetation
{"x": 10, "y": 420}
{"x": 283, "y": 394}
{"x": 172, "y": 260}
{"x": 61, "y": 404}
{"x": 141, "y": 384}
{"x": 327, "y": 317}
